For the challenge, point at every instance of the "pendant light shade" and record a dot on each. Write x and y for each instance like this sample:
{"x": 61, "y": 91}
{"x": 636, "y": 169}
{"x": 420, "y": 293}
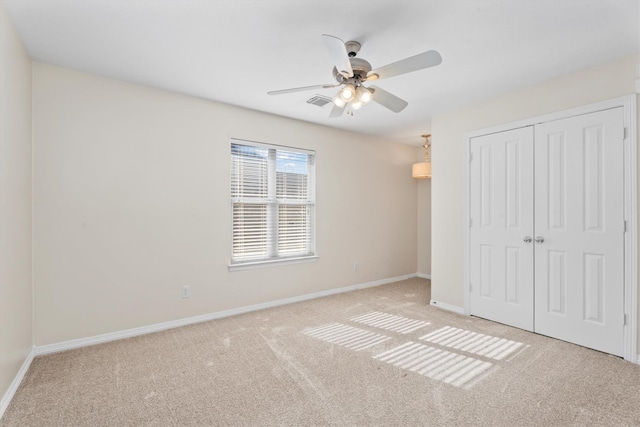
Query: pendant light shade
{"x": 422, "y": 170}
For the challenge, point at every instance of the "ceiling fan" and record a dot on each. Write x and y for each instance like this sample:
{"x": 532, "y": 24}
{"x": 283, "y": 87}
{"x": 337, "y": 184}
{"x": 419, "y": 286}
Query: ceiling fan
{"x": 351, "y": 73}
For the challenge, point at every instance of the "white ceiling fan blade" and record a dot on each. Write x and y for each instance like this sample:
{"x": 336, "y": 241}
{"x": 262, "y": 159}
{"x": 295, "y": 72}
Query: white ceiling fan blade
{"x": 338, "y": 53}
{"x": 423, "y": 60}
{"x": 388, "y": 100}
{"x": 301, "y": 89}
{"x": 336, "y": 111}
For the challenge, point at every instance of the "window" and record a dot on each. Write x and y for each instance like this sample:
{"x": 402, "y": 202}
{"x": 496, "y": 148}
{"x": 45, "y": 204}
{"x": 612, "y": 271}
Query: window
{"x": 273, "y": 203}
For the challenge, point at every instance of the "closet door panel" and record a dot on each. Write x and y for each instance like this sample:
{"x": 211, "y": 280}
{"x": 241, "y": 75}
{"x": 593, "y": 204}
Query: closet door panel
{"x": 579, "y": 220}
{"x": 501, "y": 262}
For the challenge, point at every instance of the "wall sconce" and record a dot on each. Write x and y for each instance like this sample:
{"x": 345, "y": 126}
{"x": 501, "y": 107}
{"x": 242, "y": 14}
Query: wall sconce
{"x": 423, "y": 169}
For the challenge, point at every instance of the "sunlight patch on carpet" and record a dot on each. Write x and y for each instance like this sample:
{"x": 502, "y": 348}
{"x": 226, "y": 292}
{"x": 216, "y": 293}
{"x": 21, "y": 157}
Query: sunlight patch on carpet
{"x": 441, "y": 365}
{"x": 346, "y": 336}
{"x": 472, "y": 342}
{"x": 390, "y": 322}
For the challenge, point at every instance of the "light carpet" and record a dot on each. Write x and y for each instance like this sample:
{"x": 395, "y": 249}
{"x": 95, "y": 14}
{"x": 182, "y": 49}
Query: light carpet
{"x": 376, "y": 357}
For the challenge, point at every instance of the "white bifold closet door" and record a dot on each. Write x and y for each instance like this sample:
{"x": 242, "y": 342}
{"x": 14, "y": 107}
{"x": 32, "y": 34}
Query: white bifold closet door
{"x": 501, "y": 261}
{"x": 547, "y": 230}
{"x": 579, "y": 214}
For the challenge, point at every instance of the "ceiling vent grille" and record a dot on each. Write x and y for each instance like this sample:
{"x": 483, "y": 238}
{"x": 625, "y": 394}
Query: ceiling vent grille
{"x": 319, "y": 100}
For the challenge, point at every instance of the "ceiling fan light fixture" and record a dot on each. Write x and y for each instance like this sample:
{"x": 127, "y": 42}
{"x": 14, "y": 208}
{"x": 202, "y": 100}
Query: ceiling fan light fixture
{"x": 337, "y": 100}
{"x": 364, "y": 95}
{"x": 348, "y": 92}
{"x": 356, "y": 105}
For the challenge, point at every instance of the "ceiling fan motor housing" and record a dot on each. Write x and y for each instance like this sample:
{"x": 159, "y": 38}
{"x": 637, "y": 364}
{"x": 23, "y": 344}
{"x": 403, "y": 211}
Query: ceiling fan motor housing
{"x": 360, "y": 69}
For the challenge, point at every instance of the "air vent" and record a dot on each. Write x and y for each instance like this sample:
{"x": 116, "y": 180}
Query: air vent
{"x": 319, "y": 100}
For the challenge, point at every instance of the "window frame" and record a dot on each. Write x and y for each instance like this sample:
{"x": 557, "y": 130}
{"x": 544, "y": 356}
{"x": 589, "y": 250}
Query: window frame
{"x": 272, "y": 203}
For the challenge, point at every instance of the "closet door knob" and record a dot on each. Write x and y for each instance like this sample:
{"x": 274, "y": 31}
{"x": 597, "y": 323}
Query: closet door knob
{"x": 539, "y": 239}
{"x": 527, "y": 239}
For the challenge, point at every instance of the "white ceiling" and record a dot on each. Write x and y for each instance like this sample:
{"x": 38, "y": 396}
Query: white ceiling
{"x": 236, "y": 51}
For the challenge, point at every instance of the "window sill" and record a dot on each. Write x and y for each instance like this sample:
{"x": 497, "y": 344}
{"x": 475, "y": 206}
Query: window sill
{"x": 271, "y": 263}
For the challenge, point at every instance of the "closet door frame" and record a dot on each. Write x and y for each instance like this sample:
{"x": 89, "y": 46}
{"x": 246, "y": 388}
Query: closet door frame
{"x": 628, "y": 103}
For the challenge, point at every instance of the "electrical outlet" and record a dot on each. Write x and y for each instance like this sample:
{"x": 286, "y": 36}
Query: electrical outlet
{"x": 186, "y": 291}
{"x": 356, "y": 267}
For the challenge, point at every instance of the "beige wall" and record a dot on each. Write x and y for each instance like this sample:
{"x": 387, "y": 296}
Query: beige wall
{"x": 15, "y": 204}
{"x": 131, "y": 201}
{"x": 607, "y": 81}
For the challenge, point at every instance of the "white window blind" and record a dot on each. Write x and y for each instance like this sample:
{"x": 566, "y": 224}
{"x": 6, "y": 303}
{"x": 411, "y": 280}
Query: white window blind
{"x": 273, "y": 198}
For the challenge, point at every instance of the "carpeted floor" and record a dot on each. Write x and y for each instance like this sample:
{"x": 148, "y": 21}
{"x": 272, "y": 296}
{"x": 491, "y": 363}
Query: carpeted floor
{"x": 376, "y": 357}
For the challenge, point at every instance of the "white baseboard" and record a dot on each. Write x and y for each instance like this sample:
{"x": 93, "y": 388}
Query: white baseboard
{"x": 424, "y": 276}
{"x": 6, "y": 399}
{"x": 448, "y": 307}
{"x": 128, "y": 333}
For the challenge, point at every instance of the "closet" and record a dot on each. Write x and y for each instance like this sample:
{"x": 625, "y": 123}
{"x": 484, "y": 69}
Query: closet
{"x": 546, "y": 233}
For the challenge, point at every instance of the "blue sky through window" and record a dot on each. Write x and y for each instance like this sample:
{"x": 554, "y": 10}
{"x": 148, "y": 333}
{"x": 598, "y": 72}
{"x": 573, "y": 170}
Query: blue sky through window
{"x": 289, "y": 162}
{"x": 286, "y": 161}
